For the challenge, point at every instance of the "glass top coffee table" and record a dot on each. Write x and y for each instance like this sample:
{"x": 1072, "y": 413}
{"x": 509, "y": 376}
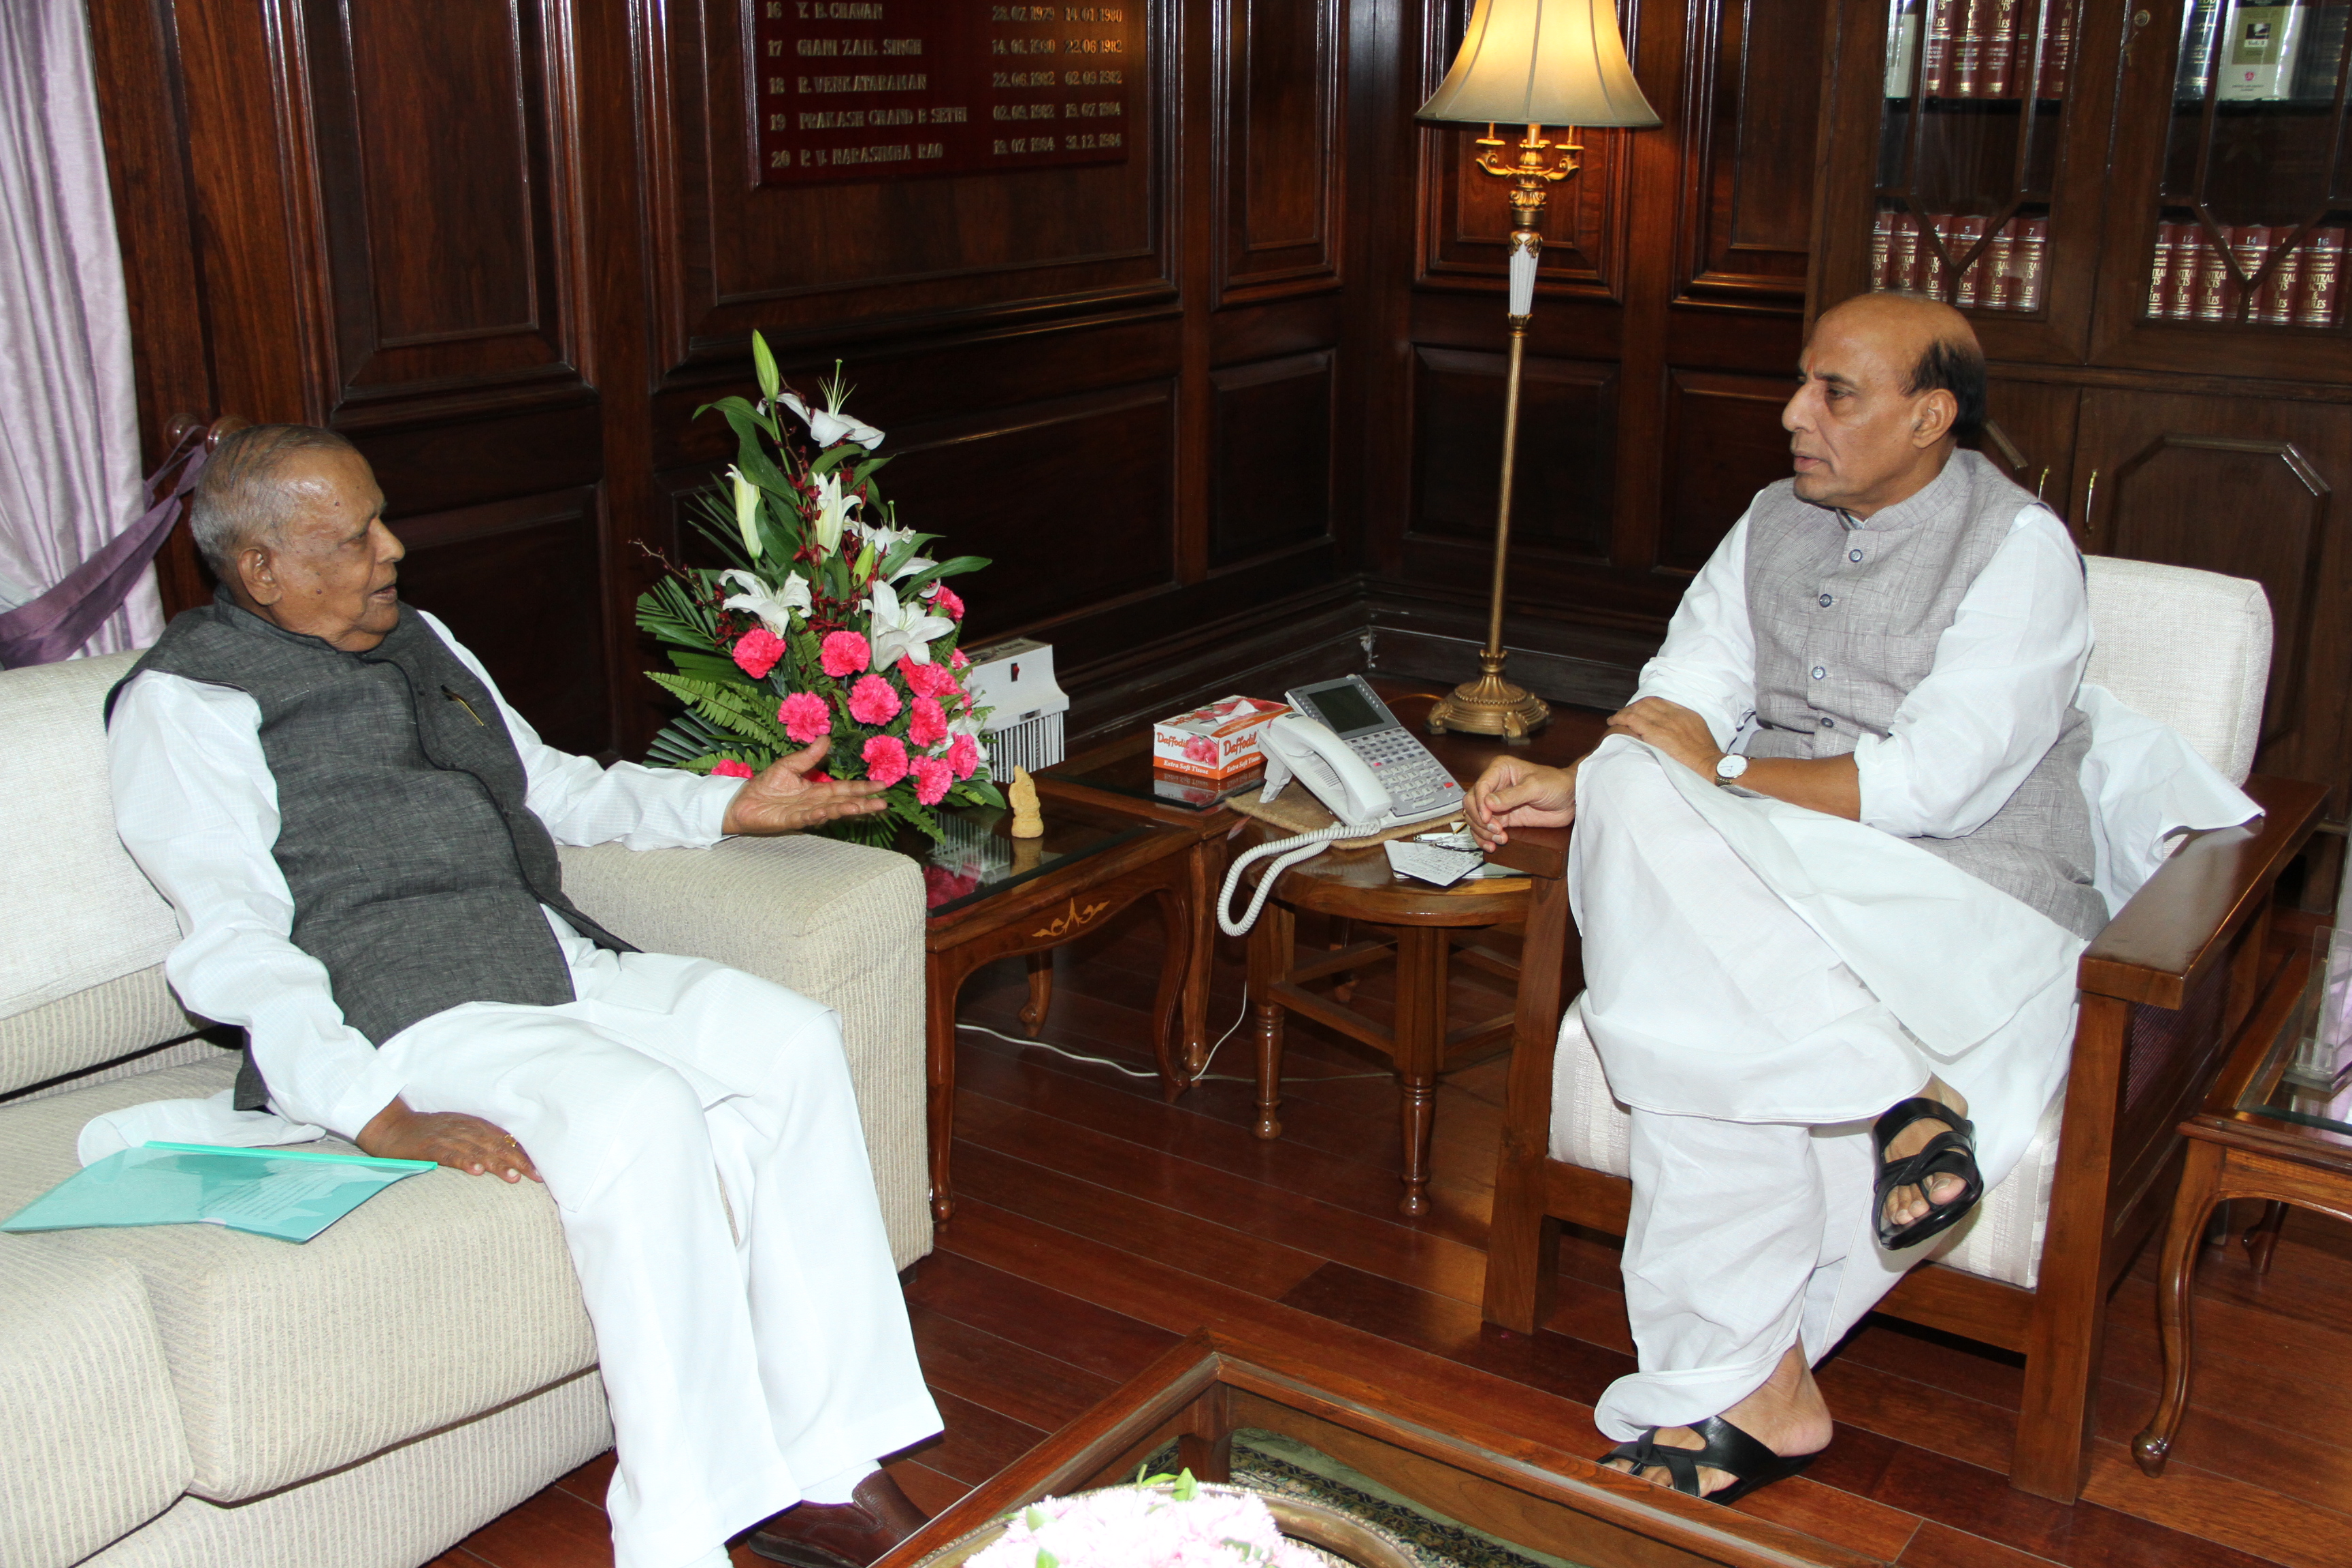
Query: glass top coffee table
{"x": 1528, "y": 1496}
{"x": 2277, "y": 1126}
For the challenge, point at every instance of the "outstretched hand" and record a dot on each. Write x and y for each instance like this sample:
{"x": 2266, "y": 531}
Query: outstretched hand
{"x": 446, "y": 1138}
{"x": 784, "y": 799}
{"x": 1513, "y": 793}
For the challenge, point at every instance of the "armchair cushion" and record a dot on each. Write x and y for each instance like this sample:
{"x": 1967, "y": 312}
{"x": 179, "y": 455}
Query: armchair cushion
{"x": 2191, "y": 648}
{"x": 2000, "y": 1240}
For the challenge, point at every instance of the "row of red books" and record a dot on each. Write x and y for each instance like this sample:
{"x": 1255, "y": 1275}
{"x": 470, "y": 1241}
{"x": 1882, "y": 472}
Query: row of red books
{"x": 1978, "y": 49}
{"x": 2190, "y": 280}
{"x": 2004, "y": 273}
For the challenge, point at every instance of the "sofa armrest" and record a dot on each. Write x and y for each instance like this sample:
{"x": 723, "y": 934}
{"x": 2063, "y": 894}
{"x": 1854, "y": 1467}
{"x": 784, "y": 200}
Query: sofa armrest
{"x": 840, "y": 923}
{"x": 2160, "y": 944}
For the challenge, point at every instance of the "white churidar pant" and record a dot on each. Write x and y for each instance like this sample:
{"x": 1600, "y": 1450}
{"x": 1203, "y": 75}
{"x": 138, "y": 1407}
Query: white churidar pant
{"x": 697, "y": 1128}
{"x": 1763, "y": 982}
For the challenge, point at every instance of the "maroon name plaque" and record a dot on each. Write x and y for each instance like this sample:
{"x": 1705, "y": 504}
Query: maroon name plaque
{"x": 872, "y": 89}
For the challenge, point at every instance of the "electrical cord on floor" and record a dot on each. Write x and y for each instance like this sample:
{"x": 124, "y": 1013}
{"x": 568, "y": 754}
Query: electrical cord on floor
{"x": 1204, "y": 1076}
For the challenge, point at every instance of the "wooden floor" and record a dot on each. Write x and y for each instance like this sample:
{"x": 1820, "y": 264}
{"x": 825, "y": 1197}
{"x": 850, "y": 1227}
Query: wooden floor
{"x": 1096, "y": 1225}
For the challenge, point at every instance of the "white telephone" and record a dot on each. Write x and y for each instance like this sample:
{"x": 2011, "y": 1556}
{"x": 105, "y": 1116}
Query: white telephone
{"x": 1373, "y": 774}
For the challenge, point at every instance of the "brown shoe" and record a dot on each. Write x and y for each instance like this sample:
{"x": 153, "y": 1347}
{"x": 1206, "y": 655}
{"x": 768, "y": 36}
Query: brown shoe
{"x": 850, "y": 1534}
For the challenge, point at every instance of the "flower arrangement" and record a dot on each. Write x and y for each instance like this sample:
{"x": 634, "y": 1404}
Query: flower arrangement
{"x": 1164, "y": 1521}
{"x": 829, "y": 624}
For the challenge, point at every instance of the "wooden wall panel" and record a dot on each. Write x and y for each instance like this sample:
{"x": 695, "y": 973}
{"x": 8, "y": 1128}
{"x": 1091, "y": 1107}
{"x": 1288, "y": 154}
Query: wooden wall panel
{"x": 1282, "y": 163}
{"x": 1271, "y": 486}
{"x": 1747, "y": 205}
{"x": 2029, "y": 434}
{"x": 518, "y": 581}
{"x": 1725, "y": 443}
{"x": 1561, "y": 489}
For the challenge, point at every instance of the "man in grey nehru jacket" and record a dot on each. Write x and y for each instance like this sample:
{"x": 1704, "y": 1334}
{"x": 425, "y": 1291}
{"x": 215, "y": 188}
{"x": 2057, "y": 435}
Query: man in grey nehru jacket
{"x": 1832, "y": 866}
{"x": 359, "y": 836}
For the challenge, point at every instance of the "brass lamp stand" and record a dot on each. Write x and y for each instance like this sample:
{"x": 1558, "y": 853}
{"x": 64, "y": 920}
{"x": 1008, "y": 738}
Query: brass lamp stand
{"x": 1492, "y": 705}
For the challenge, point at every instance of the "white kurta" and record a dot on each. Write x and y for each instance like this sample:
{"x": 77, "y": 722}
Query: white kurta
{"x": 696, "y": 1126}
{"x": 1764, "y": 979}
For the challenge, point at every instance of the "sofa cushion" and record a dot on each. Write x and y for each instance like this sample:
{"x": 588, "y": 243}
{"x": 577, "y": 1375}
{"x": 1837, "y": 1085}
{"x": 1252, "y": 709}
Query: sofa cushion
{"x": 434, "y": 1301}
{"x": 2000, "y": 1240}
{"x": 89, "y": 1433}
{"x": 77, "y": 909}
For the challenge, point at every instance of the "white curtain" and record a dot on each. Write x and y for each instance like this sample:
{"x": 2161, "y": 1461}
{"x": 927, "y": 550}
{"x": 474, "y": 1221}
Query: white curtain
{"x": 69, "y": 477}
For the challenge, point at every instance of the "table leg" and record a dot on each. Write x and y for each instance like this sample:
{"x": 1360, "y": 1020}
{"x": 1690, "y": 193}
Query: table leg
{"x": 2200, "y": 1184}
{"x": 943, "y": 977}
{"x": 2263, "y": 1240}
{"x": 1270, "y": 949}
{"x": 1418, "y": 1043}
{"x": 1204, "y": 865}
{"x": 1041, "y": 993}
{"x": 1175, "y": 966}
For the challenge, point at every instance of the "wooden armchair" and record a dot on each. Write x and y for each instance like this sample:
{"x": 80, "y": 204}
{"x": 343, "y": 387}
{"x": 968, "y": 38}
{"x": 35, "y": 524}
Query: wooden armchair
{"x": 2167, "y": 988}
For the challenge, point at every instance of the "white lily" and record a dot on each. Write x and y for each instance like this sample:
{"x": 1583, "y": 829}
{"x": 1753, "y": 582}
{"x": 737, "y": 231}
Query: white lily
{"x": 832, "y": 512}
{"x": 774, "y": 608}
{"x": 829, "y": 426}
{"x": 899, "y": 630}
{"x": 747, "y": 510}
{"x": 888, "y": 538}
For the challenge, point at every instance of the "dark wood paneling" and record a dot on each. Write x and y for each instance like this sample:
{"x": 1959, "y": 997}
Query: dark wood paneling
{"x": 2029, "y": 434}
{"x": 1747, "y": 202}
{"x": 1724, "y": 444}
{"x": 518, "y": 583}
{"x": 1069, "y": 500}
{"x": 2251, "y": 490}
{"x": 1271, "y": 487}
{"x": 1281, "y": 165}
{"x": 1563, "y": 490}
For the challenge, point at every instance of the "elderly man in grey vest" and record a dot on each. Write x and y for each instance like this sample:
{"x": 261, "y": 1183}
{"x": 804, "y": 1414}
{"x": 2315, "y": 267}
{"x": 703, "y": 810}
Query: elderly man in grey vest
{"x": 359, "y": 837}
{"x": 1832, "y": 868}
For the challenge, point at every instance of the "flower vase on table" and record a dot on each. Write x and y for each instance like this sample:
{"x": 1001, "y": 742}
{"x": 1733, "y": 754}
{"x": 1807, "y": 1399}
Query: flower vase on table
{"x": 830, "y": 623}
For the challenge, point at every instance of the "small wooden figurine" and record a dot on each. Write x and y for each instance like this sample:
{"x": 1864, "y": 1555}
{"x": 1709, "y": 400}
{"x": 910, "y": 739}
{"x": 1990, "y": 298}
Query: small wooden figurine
{"x": 1027, "y": 822}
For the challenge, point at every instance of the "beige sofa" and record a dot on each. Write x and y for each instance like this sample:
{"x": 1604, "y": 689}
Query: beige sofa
{"x": 188, "y": 1395}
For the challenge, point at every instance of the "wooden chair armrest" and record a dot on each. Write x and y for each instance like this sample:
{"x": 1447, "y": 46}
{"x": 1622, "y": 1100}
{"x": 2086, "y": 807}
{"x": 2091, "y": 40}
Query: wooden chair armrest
{"x": 2183, "y": 919}
{"x": 1536, "y": 851}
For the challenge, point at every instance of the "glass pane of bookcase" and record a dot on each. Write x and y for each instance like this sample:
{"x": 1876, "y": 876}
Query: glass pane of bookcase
{"x": 2256, "y": 192}
{"x": 1976, "y": 94}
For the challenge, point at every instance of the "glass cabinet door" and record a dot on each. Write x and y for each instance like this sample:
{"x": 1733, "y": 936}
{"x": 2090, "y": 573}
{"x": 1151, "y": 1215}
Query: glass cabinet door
{"x": 2232, "y": 142}
{"x": 1985, "y": 189}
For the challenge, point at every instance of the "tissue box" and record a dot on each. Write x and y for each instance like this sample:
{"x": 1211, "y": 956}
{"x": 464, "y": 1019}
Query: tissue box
{"x": 1215, "y": 741}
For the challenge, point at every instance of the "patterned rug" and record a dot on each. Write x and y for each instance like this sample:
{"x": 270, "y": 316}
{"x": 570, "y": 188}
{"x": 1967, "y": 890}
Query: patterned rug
{"x": 1283, "y": 1467}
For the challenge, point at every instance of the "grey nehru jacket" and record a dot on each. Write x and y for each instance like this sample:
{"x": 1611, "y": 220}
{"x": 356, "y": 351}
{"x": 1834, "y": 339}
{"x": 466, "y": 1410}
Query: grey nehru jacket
{"x": 417, "y": 870}
{"x": 1846, "y": 621}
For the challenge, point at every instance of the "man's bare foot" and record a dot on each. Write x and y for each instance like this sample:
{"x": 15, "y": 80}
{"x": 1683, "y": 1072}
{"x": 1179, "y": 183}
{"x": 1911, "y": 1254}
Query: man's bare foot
{"x": 1906, "y": 1205}
{"x": 1787, "y": 1415}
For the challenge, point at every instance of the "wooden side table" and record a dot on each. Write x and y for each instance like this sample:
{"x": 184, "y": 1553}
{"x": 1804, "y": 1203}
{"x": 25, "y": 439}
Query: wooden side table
{"x": 1031, "y": 896}
{"x": 2276, "y": 1127}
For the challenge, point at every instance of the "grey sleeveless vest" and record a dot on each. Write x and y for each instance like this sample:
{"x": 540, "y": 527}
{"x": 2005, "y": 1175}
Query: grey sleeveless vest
{"x": 1847, "y": 620}
{"x": 417, "y": 871}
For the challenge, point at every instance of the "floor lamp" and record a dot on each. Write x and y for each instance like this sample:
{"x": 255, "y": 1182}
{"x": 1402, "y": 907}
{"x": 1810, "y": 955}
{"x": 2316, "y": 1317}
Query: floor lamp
{"x": 1533, "y": 63}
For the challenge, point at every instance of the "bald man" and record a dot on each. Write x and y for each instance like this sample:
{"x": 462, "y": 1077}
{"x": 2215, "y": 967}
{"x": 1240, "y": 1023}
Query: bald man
{"x": 1832, "y": 867}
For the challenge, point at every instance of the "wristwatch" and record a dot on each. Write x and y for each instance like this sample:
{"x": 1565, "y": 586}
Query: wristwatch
{"x": 1728, "y": 767}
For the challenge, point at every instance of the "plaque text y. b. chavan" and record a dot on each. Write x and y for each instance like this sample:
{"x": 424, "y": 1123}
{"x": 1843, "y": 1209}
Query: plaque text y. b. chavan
{"x": 864, "y": 89}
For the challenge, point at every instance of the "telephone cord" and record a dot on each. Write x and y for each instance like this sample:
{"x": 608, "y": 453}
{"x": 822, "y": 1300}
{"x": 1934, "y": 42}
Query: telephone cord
{"x": 1292, "y": 851}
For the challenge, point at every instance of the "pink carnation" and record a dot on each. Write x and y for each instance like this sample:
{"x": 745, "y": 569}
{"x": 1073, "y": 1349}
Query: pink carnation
{"x": 885, "y": 760}
{"x": 844, "y": 653}
{"x": 932, "y": 777}
{"x": 926, "y": 680}
{"x": 956, "y": 660}
{"x": 929, "y": 726}
{"x": 945, "y": 600}
{"x": 964, "y": 756}
{"x": 728, "y": 768}
{"x": 756, "y": 652}
{"x": 873, "y": 700}
{"x": 804, "y": 716}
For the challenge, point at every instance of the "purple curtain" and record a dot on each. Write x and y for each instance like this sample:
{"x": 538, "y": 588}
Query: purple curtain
{"x": 69, "y": 481}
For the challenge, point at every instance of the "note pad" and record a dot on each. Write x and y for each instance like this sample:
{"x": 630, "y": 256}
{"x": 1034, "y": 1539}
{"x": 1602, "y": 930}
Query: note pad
{"x": 289, "y": 1194}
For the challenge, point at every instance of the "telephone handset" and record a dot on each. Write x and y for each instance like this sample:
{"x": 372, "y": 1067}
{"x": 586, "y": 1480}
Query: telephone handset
{"x": 1344, "y": 744}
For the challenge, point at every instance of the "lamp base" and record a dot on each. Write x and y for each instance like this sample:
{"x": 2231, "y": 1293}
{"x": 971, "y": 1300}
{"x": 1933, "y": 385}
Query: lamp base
{"x": 1490, "y": 705}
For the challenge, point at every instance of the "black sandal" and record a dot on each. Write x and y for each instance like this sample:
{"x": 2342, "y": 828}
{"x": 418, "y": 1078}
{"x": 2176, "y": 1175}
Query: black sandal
{"x": 1728, "y": 1449}
{"x": 1952, "y": 1153}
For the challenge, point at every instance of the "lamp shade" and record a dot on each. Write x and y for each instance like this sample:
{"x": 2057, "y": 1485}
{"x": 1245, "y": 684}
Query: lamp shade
{"x": 1541, "y": 62}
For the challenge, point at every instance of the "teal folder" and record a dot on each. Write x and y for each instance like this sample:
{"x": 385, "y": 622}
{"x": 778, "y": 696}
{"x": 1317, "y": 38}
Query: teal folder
{"x": 289, "y": 1194}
